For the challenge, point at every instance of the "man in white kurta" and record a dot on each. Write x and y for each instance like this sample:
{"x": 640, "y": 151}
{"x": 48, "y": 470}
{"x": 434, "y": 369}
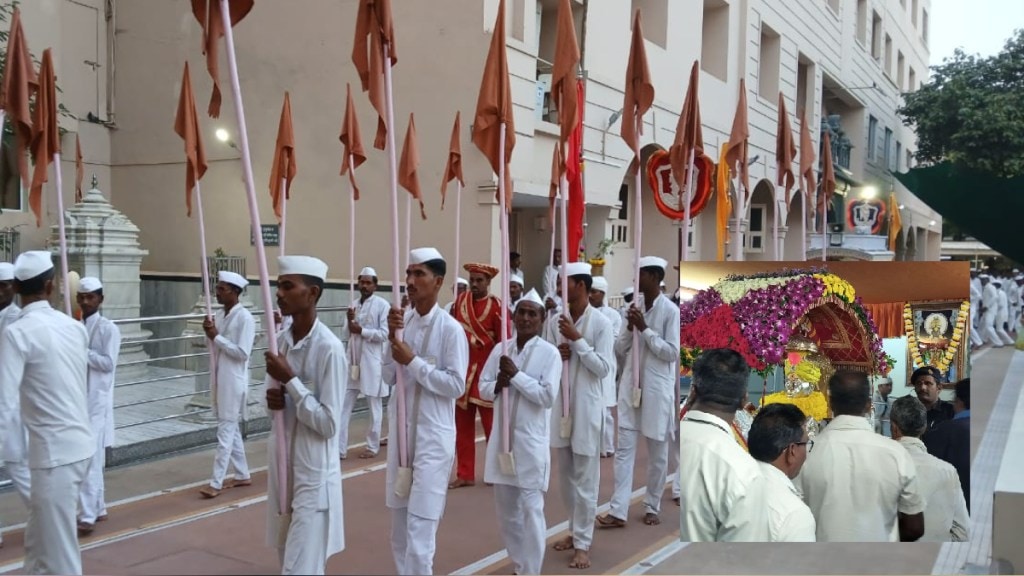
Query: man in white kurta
{"x": 515, "y": 292}
{"x": 461, "y": 285}
{"x": 646, "y": 408}
{"x": 368, "y": 335}
{"x": 1002, "y": 313}
{"x": 945, "y": 514}
{"x": 598, "y": 294}
{"x": 860, "y": 485}
{"x": 13, "y": 442}
{"x": 991, "y": 332}
{"x": 778, "y": 441}
{"x": 104, "y": 348}
{"x": 433, "y": 356}
{"x": 584, "y": 338}
{"x": 232, "y": 333}
{"x": 312, "y": 367}
{"x": 975, "y": 328}
{"x": 43, "y": 363}
{"x": 530, "y": 372}
{"x": 550, "y": 280}
{"x": 1016, "y": 303}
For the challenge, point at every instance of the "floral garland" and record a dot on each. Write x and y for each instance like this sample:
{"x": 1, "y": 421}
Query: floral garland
{"x": 954, "y": 345}
{"x": 814, "y": 405}
{"x": 804, "y": 371}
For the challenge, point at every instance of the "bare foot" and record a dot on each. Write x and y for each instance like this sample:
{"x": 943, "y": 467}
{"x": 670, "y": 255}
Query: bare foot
{"x": 651, "y": 519}
{"x": 580, "y": 560}
{"x": 564, "y": 544}
{"x": 459, "y": 483}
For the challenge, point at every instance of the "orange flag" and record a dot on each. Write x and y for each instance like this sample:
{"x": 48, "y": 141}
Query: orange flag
{"x": 494, "y": 106}
{"x": 186, "y": 125}
{"x": 828, "y": 176}
{"x": 208, "y": 13}
{"x": 563, "y": 71}
{"x": 639, "y": 91}
{"x": 738, "y": 145}
{"x": 351, "y": 142}
{"x": 408, "y": 165}
{"x": 785, "y": 150}
{"x": 375, "y": 27}
{"x": 45, "y": 135}
{"x": 19, "y": 83}
{"x": 284, "y": 166}
{"x": 895, "y": 221}
{"x": 556, "y": 177}
{"x": 79, "y": 170}
{"x": 453, "y": 169}
{"x": 808, "y": 155}
{"x": 689, "y": 132}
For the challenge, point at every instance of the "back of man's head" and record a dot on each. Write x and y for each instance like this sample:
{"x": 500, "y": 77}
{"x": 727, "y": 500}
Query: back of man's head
{"x": 850, "y": 393}
{"x": 721, "y": 376}
{"x": 963, "y": 392}
{"x": 775, "y": 428}
{"x": 34, "y": 286}
{"x": 910, "y": 416}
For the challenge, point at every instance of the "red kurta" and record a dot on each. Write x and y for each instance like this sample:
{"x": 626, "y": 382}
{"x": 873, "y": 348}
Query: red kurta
{"x": 481, "y": 319}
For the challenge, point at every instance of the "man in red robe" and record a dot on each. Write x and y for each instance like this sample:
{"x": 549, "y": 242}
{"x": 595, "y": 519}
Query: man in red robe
{"x": 479, "y": 313}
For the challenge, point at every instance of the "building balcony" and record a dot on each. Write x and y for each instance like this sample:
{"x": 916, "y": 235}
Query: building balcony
{"x": 851, "y": 246}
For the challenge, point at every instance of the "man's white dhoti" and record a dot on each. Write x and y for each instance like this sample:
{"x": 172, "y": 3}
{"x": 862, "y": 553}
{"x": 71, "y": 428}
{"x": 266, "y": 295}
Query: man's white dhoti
{"x": 376, "y": 405}
{"x": 51, "y": 540}
{"x": 579, "y": 480}
{"x": 413, "y": 542}
{"x": 523, "y": 526}
{"x": 306, "y": 552}
{"x": 230, "y": 450}
{"x": 657, "y": 472}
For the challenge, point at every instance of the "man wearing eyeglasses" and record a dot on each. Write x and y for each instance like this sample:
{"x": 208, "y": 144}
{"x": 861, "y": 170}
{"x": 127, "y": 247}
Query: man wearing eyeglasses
{"x": 779, "y": 442}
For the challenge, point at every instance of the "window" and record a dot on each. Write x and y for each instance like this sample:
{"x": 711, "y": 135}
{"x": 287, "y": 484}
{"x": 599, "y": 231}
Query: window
{"x": 547, "y": 35}
{"x": 899, "y": 153}
{"x": 620, "y": 226}
{"x": 888, "y": 56}
{"x": 924, "y": 26}
{"x": 12, "y": 194}
{"x": 913, "y": 12}
{"x": 888, "y": 150}
{"x": 862, "y": 21}
{"x": 804, "y": 84}
{"x": 655, "y": 16}
{"x": 768, "y": 69}
{"x": 876, "y": 36}
{"x": 754, "y": 238}
{"x": 910, "y": 159}
{"x": 714, "y": 48}
{"x": 912, "y": 80}
{"x": 901, "y": 64}
{"x": 834, "y": 5}
{"x": 517, "y": 20}
{"x": 872, "y": 137}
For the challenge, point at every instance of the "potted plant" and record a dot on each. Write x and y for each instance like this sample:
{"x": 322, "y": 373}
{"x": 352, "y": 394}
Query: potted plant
{"x": 597, "y": 260}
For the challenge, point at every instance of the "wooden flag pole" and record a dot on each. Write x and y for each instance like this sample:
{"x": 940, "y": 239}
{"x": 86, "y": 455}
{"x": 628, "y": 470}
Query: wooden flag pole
{"x": 284, "y": 213}
{"x": 563, "y": 189}
{"x": 775, "y": 213}
{"x": 686, "y": 209}
{"x": 351, "y": 234}
{"x": 458, "y": 238}
{"x": 824, "y": 228}
{"x": 803, "y": 226}
{"x": 506, "y": 437}
{"x": 408, "y": 229}
{"x": 205, "y": 266}
{"x": 261, "y": 256}
{"x": 62, "y": 233}
{"x": 638, "y": 219}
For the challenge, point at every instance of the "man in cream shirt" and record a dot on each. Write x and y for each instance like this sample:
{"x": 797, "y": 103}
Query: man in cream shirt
{"x": 945, "y": 516}
{"x": 778, "y": 441}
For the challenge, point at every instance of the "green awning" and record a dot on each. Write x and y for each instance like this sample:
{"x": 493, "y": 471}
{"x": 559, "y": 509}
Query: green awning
{"x": 987, "y": 207}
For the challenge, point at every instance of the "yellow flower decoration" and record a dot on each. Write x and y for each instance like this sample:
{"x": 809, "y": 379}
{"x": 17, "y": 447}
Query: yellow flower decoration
{"x": 836, "y": 286}
{"x": 814, "y": 405}
{"x": 804, "y": 371}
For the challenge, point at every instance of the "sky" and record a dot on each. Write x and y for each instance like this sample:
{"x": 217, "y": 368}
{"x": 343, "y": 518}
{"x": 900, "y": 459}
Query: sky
{"x": 977, "y": 26}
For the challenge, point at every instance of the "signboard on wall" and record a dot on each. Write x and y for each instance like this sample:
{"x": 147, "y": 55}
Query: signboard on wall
{"x": 271, "y": 235}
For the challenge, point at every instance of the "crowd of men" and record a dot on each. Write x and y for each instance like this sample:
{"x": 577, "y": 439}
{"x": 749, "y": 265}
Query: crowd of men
{"x": 997, "y": 299}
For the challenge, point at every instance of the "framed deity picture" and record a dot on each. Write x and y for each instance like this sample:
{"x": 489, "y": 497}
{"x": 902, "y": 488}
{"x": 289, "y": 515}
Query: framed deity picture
{"x": 937, "y": 336}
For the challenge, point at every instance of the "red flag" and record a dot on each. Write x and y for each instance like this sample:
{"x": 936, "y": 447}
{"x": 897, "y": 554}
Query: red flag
{"x": 563, "y": 71}
{"x": 374, "y": 20}
{"x": 351, "y": 142}
{"x": 186, "y": 125}
{"x": 494, "y": 106}
{"x": 828, "y": 176}
{"x": 574, "y": 174}
{"x": 409, "y": 164}
{"x": 45, "y": 134}
{"x": 785, "y": 150}
{"x": 807, "y": 157}
{"x": 208, "y": 13}
{"x": 689, "y": 133}
{"x": 79, "y": 170}
{"x": 738, "y": 144}
{"x": 639, "y": 91}
{"x": 453, "y": 169}
{"x": 19, "y": 83}
{"x": 284, "y": 166}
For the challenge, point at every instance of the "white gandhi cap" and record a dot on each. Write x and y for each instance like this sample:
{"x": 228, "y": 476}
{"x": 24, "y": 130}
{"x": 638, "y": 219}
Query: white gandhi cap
{"x": 421, "y": 255}
{"x": 648, "y": 261}
{"x": 89, "y": 284}
{"x": 462, "y": 281}
{"x": 627, "y": 291}
{"x": 31, "y": 264}
{"x": 232, "y": 278}
{"x": 368, "y": 272}
{"x": 600, "y": 283}
{"x": 531, "y": 296}
{"x": 6, "y": 271}
{"x": 576, "y": 268}
{"x": 517, "y": 279}
{"x": 302, "y": 265}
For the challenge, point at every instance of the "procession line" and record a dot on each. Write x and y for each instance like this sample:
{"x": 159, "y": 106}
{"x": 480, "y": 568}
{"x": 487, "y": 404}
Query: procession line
{"x": 657, "y": 557}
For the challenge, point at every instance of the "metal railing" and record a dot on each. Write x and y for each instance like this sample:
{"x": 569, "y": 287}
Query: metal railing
{"x": 10, "y": 241}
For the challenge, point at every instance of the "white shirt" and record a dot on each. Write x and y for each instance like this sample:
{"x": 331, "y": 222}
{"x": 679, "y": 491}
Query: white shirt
{"x": 789, "y": 519}
{"x": 13, "y": 443}
{"x": 589, "y": 366}
{"x": 855, "y": 481}
{"x": 990, "y": 298}
{"x": 945, "y": 516}
{"x": 104, "y": 348}
{"x": 236, "y": 333}
{"x": 438, "y": 376}
{"x": 659, "y": 351}
{"x": 550, "y": 282}
{"x": 722, "y": 494}
{"x": 366, "y": 350}
{"x": 1003, "y": 306}
{"x": 530, "y": 396}
{"x": 312, "y": 415}
{"x": 43, "y": 357}
{"x": 611, "y": 391}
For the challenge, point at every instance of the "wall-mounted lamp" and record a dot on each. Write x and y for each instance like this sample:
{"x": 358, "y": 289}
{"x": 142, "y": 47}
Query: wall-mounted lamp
{"x": 225, "y": 137}
{"x": 932, "y": 223}
{"x": 902, "y": 206}
{"x": 868, "y": 192}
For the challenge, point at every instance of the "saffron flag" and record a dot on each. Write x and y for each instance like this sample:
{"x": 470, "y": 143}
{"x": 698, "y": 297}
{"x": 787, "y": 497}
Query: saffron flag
{"x": 494, "y": 107}
{"x": 208, "y": 13}
{"x": 737, "y": 149}
{"x": 375, "y": 27}
{"x": 186, "y": 125}
{"x": 639, "y": 94}
{"x": 284, "y": 167}
{"x": 563, "y": 72}
{"x": 785, "y": 150}
{"x": 895, "y": 221}
{"x": 19, "y": 83}
{"x": 553, "y": 185}
{"x": 689, "y": 133}
{"x": 79, "y": 170}
{"x": 574, "y": 175}
{"x": 807, "y": 160}
{"x": 351, "y": 141}
{"x": 409, "y": 164}
{"x": 45, "y": 135}
{"x": 453, "y": 169}
{"x": 723, "y": 201}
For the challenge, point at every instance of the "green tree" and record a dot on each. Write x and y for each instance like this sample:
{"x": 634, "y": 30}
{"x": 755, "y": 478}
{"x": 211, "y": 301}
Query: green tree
{"x": 971, "y": 112}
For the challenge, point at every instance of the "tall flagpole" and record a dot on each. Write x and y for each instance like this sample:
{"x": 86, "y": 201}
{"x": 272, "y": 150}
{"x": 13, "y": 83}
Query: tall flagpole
{"x": 775, "y": 212}
{"x": 261, "y": 256}
{"x": 506, "y": 439}
{"x": 351, "y": 234}
{"x": 563, "y": 189}
{"x": 62, "y": 233}
{"x": 824, "y": 228}
{"x": 638, "y": 219}
{"x": 686, "y": 208}
{"x": 458, "y": 232}
{"x": 284, "y": 212}
{"x": 205, "y": 266}
{"x": 803, "y": 226}
{"x": 737, "y": 249}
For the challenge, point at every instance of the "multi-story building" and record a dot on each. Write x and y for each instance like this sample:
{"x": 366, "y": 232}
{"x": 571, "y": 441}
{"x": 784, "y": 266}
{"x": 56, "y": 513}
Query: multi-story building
{"x": 842, "y": 64}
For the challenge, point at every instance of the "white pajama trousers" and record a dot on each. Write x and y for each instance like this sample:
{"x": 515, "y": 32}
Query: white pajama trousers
{"x": 413, "y": 542}
{"x": 609, "y": 432}
{"x": 975, "y": 333}
{"x": 91, "y": 500}
{"x": 523, "y": 527}
{"x": 51, "y": 535}
{"x": 22, "y": 480}
{"x": 305, "y": 551}
{"x": 673, "y": 465}
{"x": 657, "y": 471}
{"x": 376, "y": 414}
{"x": 230, "y": 449}
{"x": 579, "y": 479}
